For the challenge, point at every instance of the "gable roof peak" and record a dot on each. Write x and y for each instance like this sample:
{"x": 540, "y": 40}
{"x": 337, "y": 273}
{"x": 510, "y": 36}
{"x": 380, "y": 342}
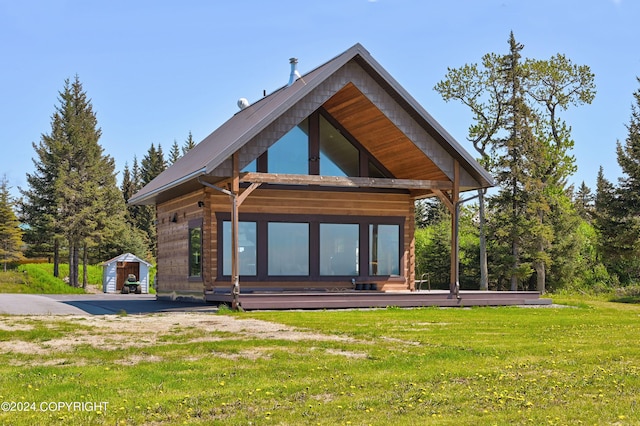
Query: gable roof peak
{"x": 247, "y": 123}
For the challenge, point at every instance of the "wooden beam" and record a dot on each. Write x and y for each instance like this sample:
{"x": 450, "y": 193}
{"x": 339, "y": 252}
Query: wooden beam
{"x": 353, "y": 182}
{"x": 247, "y": 192}
{"x": 445, "y": 200}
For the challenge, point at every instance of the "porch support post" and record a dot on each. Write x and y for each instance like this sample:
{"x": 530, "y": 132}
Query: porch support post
{"x": 236, "y": 200}
{"x": 454, "y": 287}
{"x": 235, "y": 258}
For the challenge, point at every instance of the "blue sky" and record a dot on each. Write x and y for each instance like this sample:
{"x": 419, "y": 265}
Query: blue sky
{"x": 157, "y": 70}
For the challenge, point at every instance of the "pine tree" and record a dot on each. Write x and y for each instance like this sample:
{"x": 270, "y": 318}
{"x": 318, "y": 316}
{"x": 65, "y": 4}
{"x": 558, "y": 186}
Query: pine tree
{"x": 39, "y": 205}
{"x": 615, "y": 242}
{"x": 174, "y": 154}
{"x": 86, "y": 198}
{"x": 628, "y": 208}
{"x": 629, "y": 161}
{"x": 10, "y": 232}
{"x": 583, "y": 202}
{"x": 517, "y": 131}
{"x": 152, "y": 164}
{"x": 188, "y": 144}
{"x": 127, "y": 186}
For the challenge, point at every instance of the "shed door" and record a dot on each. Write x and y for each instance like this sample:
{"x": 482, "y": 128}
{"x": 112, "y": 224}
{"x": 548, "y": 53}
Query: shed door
{"x": 123, "y": 271}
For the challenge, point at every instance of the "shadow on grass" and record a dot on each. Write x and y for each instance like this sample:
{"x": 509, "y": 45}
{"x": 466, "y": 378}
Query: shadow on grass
{"x": 626, "y": 299}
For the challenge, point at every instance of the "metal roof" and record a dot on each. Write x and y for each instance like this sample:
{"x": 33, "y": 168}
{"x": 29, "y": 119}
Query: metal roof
{"x": 249, "y": 122}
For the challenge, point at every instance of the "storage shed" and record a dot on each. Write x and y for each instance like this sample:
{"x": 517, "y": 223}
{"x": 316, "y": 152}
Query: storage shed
{"x": 115, "y": 272}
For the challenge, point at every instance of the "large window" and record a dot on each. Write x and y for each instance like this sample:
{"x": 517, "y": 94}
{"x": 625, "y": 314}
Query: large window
{"x": 318, "y": 146}
{"x": 314, "y": 248}
{"x": 195, "y": 248}
{"x": 291, "y": 153}
{"x": 338, "y": 157}
{"x": 288, "y": 248}
{"x": 339, "y": 249}
{"x": 384, "y": 257}
{"x": 247, "y": 246}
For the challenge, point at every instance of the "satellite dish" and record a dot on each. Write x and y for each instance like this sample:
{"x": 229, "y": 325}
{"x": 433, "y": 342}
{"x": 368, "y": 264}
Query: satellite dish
{"x": 243, "y": 103}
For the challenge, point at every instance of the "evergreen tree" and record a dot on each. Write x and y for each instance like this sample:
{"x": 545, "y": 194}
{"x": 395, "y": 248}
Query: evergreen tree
{"x": 521, "y": 139}
{"x": 152, "y": 164}
{"x": 133, "y": 212}
{"x": 510, "y": 167}
{"x": 174, "y": 154}
{"x": 583, "y": 202}
{"x": 628, "y": 199}
{"x": 615, "y": 242}
{"x": 39, "y": 205}
{"x": 433, "y": 250}
{"x": 629, "y": 161}
{"x": 127, "y": 186}
{"x": 10, "y": 232}
{"x": 86, "y": 198}
{"x": 188, "y": 144}
{"x": 428, "y": 212}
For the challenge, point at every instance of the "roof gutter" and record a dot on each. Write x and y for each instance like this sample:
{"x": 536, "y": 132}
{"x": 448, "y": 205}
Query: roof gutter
{"x": 138, "y": 200}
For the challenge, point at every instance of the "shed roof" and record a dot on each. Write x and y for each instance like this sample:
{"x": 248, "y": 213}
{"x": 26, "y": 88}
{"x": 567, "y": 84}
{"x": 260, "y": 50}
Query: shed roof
{"x": 248, "y": 123}
{"x": 126, "y": 257}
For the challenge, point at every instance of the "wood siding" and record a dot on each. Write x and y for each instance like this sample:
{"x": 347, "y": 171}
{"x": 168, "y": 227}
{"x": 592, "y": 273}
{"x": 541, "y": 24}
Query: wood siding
{"x": 173, "y": 243}
{"x": 173, "y": 246}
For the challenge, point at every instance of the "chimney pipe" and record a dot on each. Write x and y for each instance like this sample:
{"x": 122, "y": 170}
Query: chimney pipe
{"x": 294, "y": 71}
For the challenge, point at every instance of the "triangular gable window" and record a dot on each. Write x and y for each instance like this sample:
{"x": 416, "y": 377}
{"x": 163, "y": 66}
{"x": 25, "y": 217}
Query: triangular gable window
{"x": 318, "y": 146}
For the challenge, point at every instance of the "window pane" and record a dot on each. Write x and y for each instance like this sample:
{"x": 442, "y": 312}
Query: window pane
{"x": 375, "y": 172}
{"x": 339, "y": 249}
{"x": 291, "y": 153}
{"x": 288, "y": 248}
{"x": 384, "y": 249}
{"x": 247, "y": 243}
{"x": 338, "y": 157}
{"x": 195, "y": 252}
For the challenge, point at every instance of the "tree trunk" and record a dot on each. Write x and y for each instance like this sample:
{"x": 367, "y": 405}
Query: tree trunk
{"x": 73, "y": 264}
{"x": 484, "y": 268}
{"x": 56, "y": 258}
{"x": 71, "y": 283}
{"x": 85, "y": 260}
{"x": 76, "y": 259}
{"x": 541, "y": 273}
{"x": 514, "y": 274}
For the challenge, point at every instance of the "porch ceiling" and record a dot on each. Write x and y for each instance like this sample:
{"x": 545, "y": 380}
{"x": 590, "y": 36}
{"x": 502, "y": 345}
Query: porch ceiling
{"x": 364, "y": 121}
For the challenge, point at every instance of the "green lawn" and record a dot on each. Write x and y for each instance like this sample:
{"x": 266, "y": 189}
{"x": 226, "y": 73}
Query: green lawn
{"x": 37, "y": 278}
{"x": 483, "y": 366}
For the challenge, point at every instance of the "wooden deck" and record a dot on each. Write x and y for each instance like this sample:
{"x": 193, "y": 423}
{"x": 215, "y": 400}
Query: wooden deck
{"x": 374, "y": 299}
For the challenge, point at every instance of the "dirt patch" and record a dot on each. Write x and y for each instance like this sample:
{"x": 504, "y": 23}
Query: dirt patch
{"x": 348, "y": 354}
{"x": 114, "y": 332}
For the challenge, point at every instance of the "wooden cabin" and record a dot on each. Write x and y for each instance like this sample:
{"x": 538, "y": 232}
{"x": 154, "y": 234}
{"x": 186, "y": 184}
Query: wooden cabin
{"x": 310, "y": 189}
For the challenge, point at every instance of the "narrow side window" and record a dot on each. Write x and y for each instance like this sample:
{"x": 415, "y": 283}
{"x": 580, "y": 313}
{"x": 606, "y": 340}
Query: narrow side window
{"x": 195, "y": 249}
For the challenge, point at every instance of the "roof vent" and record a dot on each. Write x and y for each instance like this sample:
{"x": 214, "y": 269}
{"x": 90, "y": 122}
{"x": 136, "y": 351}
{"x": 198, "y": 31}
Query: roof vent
{"x": 243, "y": 103}
{"x": 294, "y": 71}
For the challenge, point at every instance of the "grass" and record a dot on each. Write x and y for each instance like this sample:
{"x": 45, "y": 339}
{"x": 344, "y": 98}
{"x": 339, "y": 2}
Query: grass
{"x": 573, "y": 365}
{"x": 37, "y": 278}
